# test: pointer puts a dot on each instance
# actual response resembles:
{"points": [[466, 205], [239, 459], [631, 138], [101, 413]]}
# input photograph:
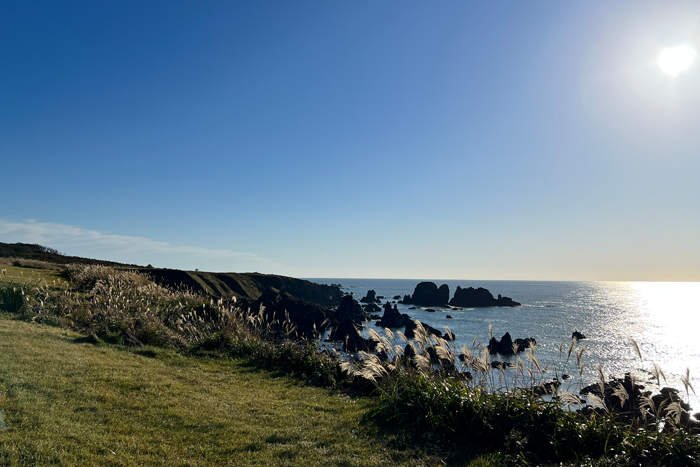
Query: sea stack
{"points": [[479, 297], [428, 294]]}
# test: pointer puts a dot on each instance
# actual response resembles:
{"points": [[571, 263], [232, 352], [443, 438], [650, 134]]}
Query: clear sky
{"points": [[404, 139]]}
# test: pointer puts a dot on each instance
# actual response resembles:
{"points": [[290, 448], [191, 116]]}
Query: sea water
{"points": [[662, 317]]}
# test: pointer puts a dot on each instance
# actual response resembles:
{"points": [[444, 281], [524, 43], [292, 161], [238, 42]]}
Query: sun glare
{"points": [[676, 59]]}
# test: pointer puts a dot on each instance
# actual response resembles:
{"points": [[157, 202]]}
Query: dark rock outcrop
{"points": [[411, 328], [392, 318], [479, 297], [546, 388], [371, 297], [279, 306], [352, 340], [635, 404], [498, 365], [506, 345], [578, 336], [428, 294], [397, 297], [350, 309], [372, 308]]}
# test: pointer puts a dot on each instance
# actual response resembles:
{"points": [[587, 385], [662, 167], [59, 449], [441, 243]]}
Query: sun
{"points": [[676, 59]]}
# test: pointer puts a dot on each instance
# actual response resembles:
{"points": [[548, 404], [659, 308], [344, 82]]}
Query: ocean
{"points": [[662, 317]]}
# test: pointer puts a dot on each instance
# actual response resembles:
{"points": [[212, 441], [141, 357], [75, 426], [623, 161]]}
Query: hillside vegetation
{"points": [[246, 286]]}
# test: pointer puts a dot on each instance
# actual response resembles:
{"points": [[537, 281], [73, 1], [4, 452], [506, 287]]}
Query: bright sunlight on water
{"points": [[662, 317]]}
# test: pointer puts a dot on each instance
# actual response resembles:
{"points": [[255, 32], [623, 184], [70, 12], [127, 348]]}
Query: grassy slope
{"points": [[219, 285], [21, 275], [72, 403], [245, 285]]}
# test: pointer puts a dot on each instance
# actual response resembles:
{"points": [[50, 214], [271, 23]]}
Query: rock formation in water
{"points": [[352, 340], [428, 294], [392, 318], [577, 335], [350, 309], [479, 297], [634, 404], [371, 297], [506, 345], [411, 327]]}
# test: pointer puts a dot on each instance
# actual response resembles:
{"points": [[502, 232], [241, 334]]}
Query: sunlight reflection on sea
{"points": [[662, 317]]}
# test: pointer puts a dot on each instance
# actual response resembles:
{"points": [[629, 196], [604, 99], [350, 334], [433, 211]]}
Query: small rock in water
{"points": [[577, 335]]}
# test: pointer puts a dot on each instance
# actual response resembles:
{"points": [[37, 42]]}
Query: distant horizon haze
{"points": [[74, 241]]}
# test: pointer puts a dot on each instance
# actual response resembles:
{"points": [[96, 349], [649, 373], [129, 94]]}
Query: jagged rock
{"points": [[397, 297], [352, 340], [479, 297], [392, 318], [634, 406], [371, 297], [578, 336], [428, 294], [449, 336], [505, 345], [548, 387], [350, 309], [506, 301], [448, 317], [496, 365], [371, 308], [524, 344], [411, 327], [409, 351]]}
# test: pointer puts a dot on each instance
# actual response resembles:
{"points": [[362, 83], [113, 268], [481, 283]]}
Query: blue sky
{"points": [[451, 140]]}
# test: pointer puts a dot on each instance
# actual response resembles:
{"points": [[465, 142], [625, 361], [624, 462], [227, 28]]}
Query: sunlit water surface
{"points": [[662, 317]]}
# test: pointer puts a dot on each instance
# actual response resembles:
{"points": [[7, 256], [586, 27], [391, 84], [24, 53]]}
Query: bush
{"points": [[12, 298]]}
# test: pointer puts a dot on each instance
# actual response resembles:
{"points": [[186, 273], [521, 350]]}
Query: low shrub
{"points": [[12, 298]]}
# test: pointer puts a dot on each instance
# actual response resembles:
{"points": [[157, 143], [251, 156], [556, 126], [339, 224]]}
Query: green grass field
{"points": [[20, 275], [66, 402]]}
